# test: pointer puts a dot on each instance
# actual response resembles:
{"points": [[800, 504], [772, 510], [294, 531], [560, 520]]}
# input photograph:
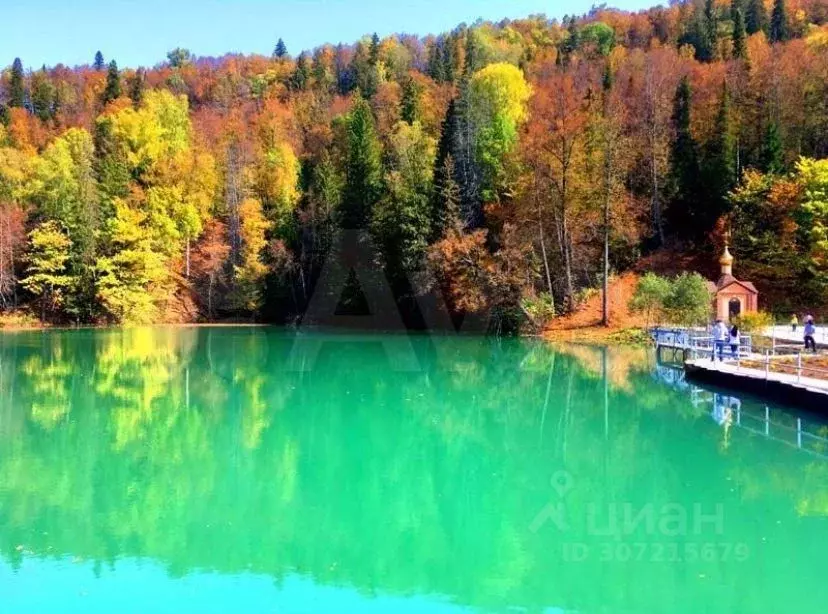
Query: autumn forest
{"points": [[504, 167]]}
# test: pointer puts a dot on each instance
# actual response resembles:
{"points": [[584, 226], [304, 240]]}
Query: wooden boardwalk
{"points": [[808, 392], [697, 350]]}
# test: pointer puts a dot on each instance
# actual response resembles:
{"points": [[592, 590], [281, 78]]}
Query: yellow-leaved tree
{"points": [[497, 100], [252, 270], [173, 190]]}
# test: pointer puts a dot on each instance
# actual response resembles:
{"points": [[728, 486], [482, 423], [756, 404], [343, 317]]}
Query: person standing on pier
{"points": [[720, 337], [810, 331], [734, 341], [794, 322]]}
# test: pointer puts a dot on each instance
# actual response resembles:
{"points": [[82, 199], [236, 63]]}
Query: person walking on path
{"points": [[794, 322], [810, 331], [720, 337]]}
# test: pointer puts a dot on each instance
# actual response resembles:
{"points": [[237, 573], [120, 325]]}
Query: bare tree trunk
{"points": [[605, 314], [3, 302], [187, 274], [655, 203], [570, 285], [609, 143], [233, 198], [542, 239], [210, 297]]}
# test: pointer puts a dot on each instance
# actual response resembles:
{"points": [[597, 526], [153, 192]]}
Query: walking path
{"points": [[732, 368], [785, 334]]}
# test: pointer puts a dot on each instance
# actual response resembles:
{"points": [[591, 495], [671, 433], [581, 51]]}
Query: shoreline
{"points": [[588, 335], [49, 327], [599, 335]]}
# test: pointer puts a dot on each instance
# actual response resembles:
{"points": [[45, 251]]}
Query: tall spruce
{"points": [[684, 163], [570, 44], [700, 31], [280, 52], [136, 86], [449, 59], [756, 17], [374, 50], [739, 33], [773, 154], [44, 96], [112, 90], [17, 88], [474, 52], [410, 103], [301, 74], [720, 162], [435, 67], [446, 198], [711, 28], [363, 174], [99, 63], [779, 28]]}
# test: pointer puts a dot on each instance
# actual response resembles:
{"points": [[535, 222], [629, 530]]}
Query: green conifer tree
{"points": [[43, 96], [136, 87], [720, 163], [301, 74], [17, 89], [684, 163], [449, 59], [113, 84], [280, 52], [779, 28], [363, 174], [374, 50], [446, 199], [711, 28], [773, 154], [99, 63], [410, 103], [756, 17], [739, 34], [435, 67]]}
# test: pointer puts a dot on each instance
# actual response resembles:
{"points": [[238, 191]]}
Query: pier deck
{"points": [[744, 370]]}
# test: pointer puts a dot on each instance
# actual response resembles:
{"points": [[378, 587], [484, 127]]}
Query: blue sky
{"points": [[140, 32]]}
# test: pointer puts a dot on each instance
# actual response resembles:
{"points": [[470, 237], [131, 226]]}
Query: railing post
{"points": [[767, 365], [799, 367]]}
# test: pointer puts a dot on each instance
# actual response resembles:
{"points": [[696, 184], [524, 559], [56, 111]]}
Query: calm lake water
{"points": [[253, 470]]}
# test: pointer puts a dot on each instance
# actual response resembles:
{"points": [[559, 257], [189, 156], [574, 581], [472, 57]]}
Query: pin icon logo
{"points": [[562, 483], [555, 511]]}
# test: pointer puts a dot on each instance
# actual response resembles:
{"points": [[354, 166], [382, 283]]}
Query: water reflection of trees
{"points": [[200, 448]]}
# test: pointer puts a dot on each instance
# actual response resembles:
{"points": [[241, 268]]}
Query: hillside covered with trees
{"points": [[513, 161]]}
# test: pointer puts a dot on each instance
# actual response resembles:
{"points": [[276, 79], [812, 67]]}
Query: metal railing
{"points": [[701, 342], [797, 367]]}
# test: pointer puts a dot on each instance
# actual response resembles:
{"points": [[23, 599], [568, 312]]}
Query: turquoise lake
{"points": [[222, 469]]}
